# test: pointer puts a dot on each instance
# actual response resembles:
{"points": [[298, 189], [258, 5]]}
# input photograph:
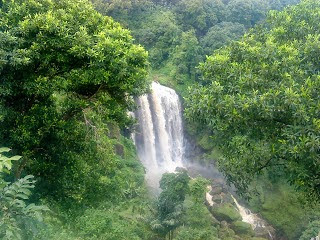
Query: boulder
{"points": [[216, 190], [225, 212], [217, 199], [265, 231], [242, 228], [227, 198]]}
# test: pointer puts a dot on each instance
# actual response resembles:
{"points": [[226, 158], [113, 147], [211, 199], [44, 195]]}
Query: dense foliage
{"points": [[312, 231], [170, 203], [282, 206], [18, 219], [181, 212], [67, 75], [179, 34], [259, 100]]}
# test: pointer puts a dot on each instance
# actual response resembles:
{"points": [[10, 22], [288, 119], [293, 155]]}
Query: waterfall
{"points": [[159, 138], [160, 144]]}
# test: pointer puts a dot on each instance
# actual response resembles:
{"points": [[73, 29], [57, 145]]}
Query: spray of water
{"points": [[159, 137]]}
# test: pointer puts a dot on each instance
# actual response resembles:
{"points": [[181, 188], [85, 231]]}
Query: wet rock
{"points": [[266, 232], [227, 198], [216, 190], [226, 212], [217, 183], [261, 227], [217, 199]]}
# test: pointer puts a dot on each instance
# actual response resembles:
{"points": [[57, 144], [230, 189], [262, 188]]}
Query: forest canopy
{"points": [[163, 26], [259, 99]]}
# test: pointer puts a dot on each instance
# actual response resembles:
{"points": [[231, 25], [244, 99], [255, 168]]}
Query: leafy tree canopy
{"points": [[170, 203], [158, 25], [65, 69], [259, 99]]}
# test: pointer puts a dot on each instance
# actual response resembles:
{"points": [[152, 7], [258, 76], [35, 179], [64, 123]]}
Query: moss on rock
{"points": [[242, 228], [225, 212]]}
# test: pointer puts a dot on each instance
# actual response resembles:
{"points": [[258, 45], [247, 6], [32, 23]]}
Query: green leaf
{"points": [[15, 158], [4, 149]]}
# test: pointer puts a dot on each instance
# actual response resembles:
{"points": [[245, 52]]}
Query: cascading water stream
{"points": [[159, 137], [253, 219], [248, 216]]}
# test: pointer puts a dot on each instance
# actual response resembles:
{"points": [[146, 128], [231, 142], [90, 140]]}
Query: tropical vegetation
{"points": [[70, 70]]}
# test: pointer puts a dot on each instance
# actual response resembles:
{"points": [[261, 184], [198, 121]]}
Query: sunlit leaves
{"points": [[6, 162]]}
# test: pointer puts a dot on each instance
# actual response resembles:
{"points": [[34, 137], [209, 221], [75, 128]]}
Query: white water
{"points": [[253, 219], [159, 138], [248, 216], [209, 196]]}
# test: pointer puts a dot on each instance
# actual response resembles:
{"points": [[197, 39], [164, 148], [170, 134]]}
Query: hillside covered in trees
{"points": [[179, 34], [72, 74]]}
